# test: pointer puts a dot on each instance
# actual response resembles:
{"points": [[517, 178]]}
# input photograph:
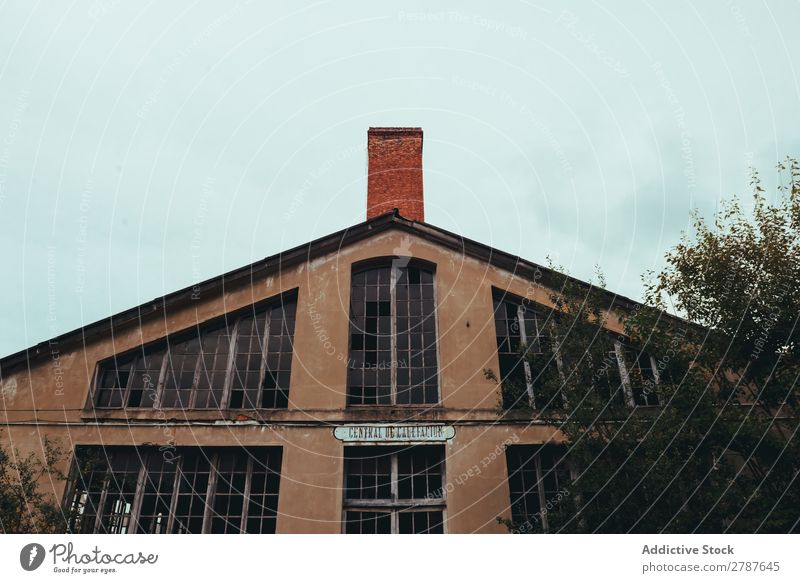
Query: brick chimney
{"points": [[395, 172]]}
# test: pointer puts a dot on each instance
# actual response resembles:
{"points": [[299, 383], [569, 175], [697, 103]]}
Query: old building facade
{"points": [[335, 387]]}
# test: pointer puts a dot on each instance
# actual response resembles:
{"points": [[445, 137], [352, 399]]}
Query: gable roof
{"points": [[302, 253]]}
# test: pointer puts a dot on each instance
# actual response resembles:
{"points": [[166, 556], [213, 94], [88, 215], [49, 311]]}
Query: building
{"points": [[335, 387]]}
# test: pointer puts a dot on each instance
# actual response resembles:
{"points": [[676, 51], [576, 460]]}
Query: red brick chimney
{"points": [[395, 172]]}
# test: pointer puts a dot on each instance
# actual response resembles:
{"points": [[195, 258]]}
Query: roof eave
{"points": [[299, 254]]}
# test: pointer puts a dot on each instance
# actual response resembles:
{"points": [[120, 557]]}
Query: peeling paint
{"points": [[319, 261], [8, 390]]}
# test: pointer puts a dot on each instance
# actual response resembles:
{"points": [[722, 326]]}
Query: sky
{"points": [[145, 146]]}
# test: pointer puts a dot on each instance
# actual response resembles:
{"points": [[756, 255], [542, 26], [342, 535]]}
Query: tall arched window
{"points": [[393, 352]]}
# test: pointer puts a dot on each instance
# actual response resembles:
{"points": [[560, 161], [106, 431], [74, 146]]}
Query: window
{"points": [[539, 481], [119, 490], [527, 356], [639, 374], [522, 335], [391, 490], [241, 361], [393, 358], [130, 379], [629, 375]]}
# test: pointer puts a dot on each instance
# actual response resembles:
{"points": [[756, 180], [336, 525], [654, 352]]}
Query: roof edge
{"points": [[298, 254]]}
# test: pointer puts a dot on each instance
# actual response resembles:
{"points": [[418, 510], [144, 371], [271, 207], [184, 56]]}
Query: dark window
{"points": [[394, 490], [215, 348], [639, 375], [131, 379], [90, 474], [528, 359], [539, 482], [246, 372], [120, 490], [608, 378], [156, 494], [120, 494], [243, 361], [191, 490], [526, 352], [393, 346], [183, 358], [629, 375], [112, 382], [280, 328]]}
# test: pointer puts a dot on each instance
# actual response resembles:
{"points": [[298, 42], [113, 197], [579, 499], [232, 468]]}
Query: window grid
{"points": [[181, 377], [156, 496], [246, 368], [200, 490], [611, 385], [244, 363], [391, 490], [262, 511], [518, 325], [639, 373], [631, 379], [278, 363], [192, 489], [119, 495], [89, 491], [393, 347], [231, 483], [538, 477], [213, 366]]}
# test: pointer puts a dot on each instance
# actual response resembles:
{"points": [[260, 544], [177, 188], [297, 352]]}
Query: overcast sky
{"points": [[146, 146]]}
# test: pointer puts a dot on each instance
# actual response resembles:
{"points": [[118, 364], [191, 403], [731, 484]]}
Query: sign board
{"points": [[369, 433]]}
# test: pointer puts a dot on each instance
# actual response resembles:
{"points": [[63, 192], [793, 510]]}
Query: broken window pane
{"points": [[526, 353], [183, 490], [238, 362], [112, 383]]}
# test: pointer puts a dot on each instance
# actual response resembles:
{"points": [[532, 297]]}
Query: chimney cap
{"points": [[394, 130]]}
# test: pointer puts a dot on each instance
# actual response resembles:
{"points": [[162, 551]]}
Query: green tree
{"points": [[720, 453], [24, 506]]}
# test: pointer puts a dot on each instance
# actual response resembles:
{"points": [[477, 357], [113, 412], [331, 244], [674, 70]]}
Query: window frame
{"points": [[214, 456], [523, 304], [390, 262], [620, 348], [395, 505], [540, 449], [168, 342]]}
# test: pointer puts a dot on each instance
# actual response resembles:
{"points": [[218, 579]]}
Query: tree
{"points": [[24, 506], [720, 453]]}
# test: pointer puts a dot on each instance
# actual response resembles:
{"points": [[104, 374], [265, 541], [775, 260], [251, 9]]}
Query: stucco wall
{"points": [[54, 391]]}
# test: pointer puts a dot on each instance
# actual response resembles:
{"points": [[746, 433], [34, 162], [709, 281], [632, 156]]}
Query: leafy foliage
{"points": [[24, 506], [720, 453]]}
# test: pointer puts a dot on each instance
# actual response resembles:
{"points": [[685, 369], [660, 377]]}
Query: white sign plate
{"points": [[393, 433]]}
